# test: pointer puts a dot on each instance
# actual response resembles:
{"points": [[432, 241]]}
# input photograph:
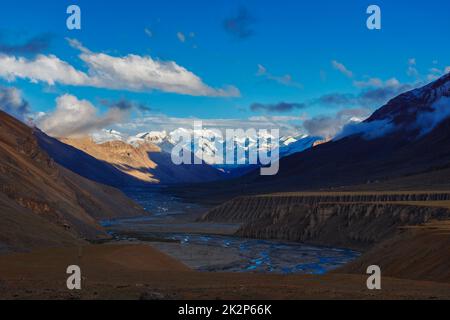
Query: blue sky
{"points": [[296, 52]]}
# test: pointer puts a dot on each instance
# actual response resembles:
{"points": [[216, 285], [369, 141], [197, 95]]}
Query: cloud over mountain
{"points": [[374, 92], [328, 126], [12, 102], [74, 118], [440, 110]]}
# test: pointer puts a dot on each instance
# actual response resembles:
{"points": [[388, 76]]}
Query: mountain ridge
{"points": [[140, 164], [359, 158]]}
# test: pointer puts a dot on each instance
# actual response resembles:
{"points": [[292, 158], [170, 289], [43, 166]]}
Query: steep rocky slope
{"points": [[407, 234], [418, 252], [42, 203], [346, 220], [21, 228]]}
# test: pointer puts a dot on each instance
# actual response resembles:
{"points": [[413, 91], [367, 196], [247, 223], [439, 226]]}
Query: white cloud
{"points": [[427, 120], [286, 79], [136, 73], [434, 73], [160, 122], [435, 70], [74, 118], [447, 69], [368, 130], [412, 70], [377, 83], [131, 72], [328, 126], [181, 37], [12, 102], [48, 69], [148, 32], [342, 68]]}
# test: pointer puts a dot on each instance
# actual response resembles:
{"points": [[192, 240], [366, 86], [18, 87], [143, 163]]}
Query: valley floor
{"points": [[141, 272], [414, 256]]}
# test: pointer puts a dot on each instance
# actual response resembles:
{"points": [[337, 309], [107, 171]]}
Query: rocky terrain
{"points": [[44, 204], [406, 233], [347, 220]]}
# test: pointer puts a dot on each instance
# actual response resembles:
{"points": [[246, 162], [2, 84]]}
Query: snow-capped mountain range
{"points": [[210, 143]]}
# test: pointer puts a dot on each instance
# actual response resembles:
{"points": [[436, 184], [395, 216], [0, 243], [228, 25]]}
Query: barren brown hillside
{"points": [[122, 165], [134, 161], [43, 203]]}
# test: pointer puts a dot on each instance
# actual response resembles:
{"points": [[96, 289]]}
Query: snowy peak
{"points": [[292, 145], [207, 143], [105, 135], [407, 107], [156, 137]]}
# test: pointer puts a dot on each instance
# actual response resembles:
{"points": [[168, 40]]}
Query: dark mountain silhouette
{"points": [[359, 159]]}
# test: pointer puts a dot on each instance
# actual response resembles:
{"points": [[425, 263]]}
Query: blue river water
{"points": [[224, 253], [272, 256]]}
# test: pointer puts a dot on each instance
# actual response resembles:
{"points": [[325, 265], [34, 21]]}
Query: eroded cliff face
{"points": [[353, 221]]}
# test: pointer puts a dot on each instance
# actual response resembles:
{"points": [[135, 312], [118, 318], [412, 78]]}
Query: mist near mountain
{"points": [[416, 113], [427, 121], [409, 135], [208, 144]]}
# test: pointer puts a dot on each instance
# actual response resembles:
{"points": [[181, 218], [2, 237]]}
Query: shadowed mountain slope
{"points": [[85, 164], [44, 204], [122, 164], [408, 136]]}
